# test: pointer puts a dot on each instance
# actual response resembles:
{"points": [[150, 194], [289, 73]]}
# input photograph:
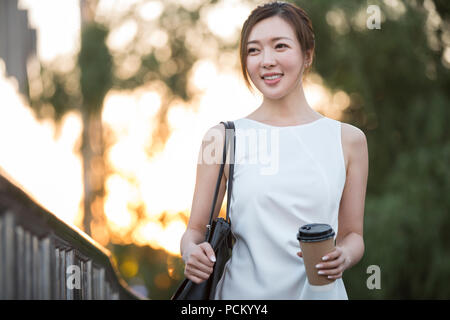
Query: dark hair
{"points": [[292, 14]]}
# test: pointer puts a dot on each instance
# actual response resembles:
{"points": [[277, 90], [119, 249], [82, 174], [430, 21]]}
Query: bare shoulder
{"points": [[352, 135], [354, 141], [213, 144], [214, 136]]}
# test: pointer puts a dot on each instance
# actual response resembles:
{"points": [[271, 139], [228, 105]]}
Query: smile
{"points": [[273, 79]]}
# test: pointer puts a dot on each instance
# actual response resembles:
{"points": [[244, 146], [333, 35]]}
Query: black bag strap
{"points": [[231, 171], [229, 131]]}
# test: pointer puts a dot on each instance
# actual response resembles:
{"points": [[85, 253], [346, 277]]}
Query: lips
{"points": [[271, 76]]}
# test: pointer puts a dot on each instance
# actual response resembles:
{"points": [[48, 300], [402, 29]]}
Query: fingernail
{"points": [[318, 266], [212, 258], [320, 272], [325, 258]]}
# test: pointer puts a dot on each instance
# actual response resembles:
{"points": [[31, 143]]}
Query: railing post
{"points": [[20, 261], [45, 276], [7, 256]]}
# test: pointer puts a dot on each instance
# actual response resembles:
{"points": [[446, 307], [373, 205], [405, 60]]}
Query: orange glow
{"points": [[117, 209], [154, 234]]}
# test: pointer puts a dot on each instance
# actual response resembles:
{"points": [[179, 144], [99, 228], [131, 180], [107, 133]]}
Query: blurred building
{"points": [[17, 42]]}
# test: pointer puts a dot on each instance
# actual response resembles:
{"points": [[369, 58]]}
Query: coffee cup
{"points": [[316, 241]]}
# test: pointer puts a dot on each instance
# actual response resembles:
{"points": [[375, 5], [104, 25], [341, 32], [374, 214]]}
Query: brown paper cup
{"points": [[316, 241]]}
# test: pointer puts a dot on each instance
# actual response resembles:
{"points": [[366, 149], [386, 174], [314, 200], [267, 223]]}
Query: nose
{"points": [[268, 59]]}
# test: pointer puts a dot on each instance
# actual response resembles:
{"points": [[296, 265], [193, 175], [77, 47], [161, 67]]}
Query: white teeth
{"points": [[273, 77]]}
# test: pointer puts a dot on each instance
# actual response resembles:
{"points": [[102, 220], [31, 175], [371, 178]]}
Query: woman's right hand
{"points": [[199, 262]]}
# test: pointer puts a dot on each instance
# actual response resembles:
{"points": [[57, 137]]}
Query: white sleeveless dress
{"points": [[284, 177]]}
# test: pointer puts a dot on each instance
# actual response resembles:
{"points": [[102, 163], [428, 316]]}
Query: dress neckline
{"points": [[282, 127]]}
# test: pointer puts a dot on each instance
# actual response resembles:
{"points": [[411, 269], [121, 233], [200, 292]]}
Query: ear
{"points": [[308, 57]]}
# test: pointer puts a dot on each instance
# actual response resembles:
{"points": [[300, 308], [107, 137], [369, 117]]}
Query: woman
{"points": [[320, 174]]}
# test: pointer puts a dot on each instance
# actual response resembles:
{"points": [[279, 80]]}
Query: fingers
{"points": [[197, 272], [208, 251], [337, 276], [333, 254], [194, 278], [202, 254], [203, 267], [196, 275], [331, 272], [202, 259], [199, 266], [331, 264], [334, 267]]}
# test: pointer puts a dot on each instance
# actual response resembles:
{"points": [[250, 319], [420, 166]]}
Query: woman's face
{"points": [[273, 49]]}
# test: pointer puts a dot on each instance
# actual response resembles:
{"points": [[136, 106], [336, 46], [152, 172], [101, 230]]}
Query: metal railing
{"points": [[42, 257]]}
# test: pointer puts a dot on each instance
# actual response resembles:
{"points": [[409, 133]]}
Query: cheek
{"points": [[251, 63], [252, 67], [292, 61]]}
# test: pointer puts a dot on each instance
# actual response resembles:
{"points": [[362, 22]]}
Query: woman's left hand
{"points": [[335, 264]]}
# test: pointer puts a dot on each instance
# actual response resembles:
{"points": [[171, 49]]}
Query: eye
{"points": [[281, 44], [251, 50]]}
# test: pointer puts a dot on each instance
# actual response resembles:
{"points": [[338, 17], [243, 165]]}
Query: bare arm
{"points": [[349, 240], [351, 211], [197, 254]]}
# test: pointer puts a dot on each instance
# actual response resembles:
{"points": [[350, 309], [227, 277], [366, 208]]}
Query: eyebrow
{"points": [[273, 39]]}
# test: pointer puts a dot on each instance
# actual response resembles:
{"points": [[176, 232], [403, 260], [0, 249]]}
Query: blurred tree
{"points": [[95, 63], [99, 70]]}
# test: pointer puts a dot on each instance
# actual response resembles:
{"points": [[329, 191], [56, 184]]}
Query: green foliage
{"points": [[95, 64], [406, 230], [172, 70]]}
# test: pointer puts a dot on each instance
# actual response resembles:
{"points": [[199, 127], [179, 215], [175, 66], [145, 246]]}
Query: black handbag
{"points": [[218, 234]]}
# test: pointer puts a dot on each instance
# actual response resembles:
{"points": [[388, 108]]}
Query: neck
{"points": [[291, 106]]}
